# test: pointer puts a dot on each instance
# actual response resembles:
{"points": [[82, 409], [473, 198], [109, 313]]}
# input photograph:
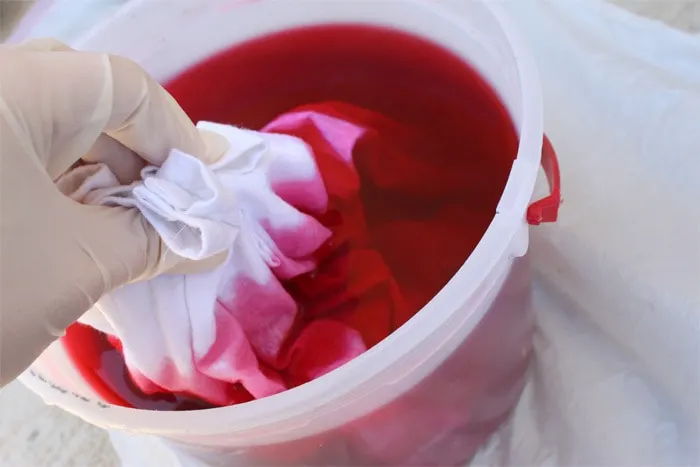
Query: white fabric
{"points": [[196, 208], [617, 373], [168, 325]]}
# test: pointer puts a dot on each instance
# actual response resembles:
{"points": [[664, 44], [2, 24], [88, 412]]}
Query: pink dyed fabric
{"points": [[302, 292]]}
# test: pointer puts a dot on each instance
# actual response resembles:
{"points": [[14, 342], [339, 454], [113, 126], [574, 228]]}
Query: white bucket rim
{"points": [[324, 392]]}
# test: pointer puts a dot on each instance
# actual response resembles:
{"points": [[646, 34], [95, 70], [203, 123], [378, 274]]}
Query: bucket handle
{"points": [[547, 208]]}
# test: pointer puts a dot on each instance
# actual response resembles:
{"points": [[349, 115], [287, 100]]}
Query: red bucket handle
{"points": [[547, 209]]}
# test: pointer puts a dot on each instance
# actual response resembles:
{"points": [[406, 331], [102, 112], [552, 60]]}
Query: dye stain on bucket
{"points": [[425, 230]]}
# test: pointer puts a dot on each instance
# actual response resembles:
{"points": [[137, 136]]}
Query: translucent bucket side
{"points": [[475, 377], [383, 393], [469, 381]]}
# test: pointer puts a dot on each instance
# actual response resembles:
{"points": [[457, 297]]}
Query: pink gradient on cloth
{"points": [[317, 297]]}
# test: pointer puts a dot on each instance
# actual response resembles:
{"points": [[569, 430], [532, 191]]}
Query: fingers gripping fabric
{"points": [[273, 202]]}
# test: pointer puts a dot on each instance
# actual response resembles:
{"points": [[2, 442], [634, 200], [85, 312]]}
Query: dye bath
{"points": [[427, 201]]}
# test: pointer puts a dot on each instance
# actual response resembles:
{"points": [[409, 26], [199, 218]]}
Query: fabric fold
{"points": [[284, 308]]}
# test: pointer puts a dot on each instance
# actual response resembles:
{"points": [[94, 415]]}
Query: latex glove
{"points": [[58, 257]]}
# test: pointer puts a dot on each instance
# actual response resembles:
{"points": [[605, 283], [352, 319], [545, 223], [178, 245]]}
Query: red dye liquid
{"points": [[424, 225]]}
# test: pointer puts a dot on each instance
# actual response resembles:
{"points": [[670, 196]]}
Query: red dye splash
{"points": [[430, 176]]}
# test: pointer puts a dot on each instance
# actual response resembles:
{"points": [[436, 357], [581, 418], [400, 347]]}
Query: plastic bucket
{"points": [[435, 389]]}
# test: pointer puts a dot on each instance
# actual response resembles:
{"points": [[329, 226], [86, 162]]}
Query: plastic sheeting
{"points": [[617, 373]]}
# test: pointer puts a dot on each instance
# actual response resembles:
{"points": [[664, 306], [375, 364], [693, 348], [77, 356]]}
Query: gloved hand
{"points": [[59, 107]]}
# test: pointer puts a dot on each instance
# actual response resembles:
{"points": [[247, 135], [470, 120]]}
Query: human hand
{"points": [[58, 108]]}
